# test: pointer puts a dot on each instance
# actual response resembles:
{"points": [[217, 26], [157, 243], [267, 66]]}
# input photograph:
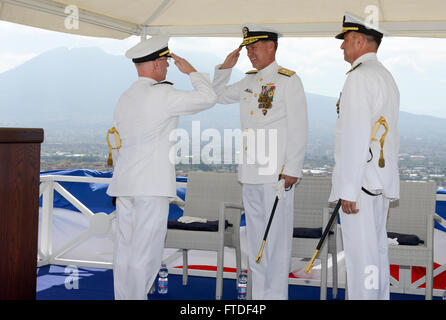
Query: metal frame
{"points": [[419, 28], [405, 284], [100, 223], [400, 28], [58, 9]]}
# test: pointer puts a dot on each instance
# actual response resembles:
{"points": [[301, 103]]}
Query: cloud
{"points": [[219, 47], [418, 54], [404, 63]]}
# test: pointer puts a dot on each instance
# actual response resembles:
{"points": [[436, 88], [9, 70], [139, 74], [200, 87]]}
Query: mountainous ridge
{"points": [[75, 91]]}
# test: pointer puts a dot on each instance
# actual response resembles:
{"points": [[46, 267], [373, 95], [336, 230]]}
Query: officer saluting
{"points": [[366, 176], [272, 100], [143, 177]]}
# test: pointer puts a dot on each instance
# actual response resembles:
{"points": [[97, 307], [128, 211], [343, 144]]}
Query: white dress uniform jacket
{"points": [[287, 115], [144, 117], [284, 110], [369, 92]]}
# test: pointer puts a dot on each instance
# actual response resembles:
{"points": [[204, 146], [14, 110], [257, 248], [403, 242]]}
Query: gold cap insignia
{"points": [[245, 32]]}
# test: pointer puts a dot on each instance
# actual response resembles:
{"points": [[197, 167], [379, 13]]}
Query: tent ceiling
{"points": [[121, 18]]}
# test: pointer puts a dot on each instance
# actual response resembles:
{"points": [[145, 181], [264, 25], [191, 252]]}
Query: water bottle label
{"points": [[162, 285]]}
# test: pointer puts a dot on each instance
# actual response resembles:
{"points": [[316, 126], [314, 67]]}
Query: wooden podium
{"points": [[19, 211]]}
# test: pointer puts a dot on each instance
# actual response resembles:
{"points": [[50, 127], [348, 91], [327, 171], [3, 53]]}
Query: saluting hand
{"points": [[231, 59], [182, 64]]}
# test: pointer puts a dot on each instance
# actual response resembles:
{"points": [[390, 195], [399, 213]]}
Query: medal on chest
{"points": [[266, 97]]}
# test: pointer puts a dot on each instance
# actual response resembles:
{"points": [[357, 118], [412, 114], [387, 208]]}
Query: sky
{"points": [[417, 64]]}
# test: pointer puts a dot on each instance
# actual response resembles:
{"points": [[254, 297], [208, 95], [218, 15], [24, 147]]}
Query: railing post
{"points": [[46, 235]]}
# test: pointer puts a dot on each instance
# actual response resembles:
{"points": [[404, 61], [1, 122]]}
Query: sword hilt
{"points": [[310, 264], [259, 256]]}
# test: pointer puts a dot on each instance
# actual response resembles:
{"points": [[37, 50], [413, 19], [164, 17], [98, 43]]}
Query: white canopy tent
{"points": [[120, 19]]}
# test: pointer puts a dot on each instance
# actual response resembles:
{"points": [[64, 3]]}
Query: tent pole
{"points": [[157, 12]]}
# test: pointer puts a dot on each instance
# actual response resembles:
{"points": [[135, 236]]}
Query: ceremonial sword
{"points": [[259, 256], [324, 235]]}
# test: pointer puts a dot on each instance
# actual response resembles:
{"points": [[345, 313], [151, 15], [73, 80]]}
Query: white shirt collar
{"points": [[147, 79], [365, 57], [272, 68]]}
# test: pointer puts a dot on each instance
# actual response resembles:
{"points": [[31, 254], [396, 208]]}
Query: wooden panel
{"points": [[19, 204]]}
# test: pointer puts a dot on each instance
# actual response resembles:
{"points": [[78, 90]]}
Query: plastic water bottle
{"points": [[163, 283], [242, 286]]}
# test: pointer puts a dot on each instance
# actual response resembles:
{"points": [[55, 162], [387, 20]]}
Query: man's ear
{"points": [[156, 65], [361, 38], [271, 46]]}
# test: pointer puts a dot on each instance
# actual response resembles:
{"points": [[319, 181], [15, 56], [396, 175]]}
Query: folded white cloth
{"points": [[189, 219], [280, 189], [393, 242]]}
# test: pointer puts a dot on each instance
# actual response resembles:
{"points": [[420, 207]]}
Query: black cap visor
{"points": [[164, 52], [347, 27]]}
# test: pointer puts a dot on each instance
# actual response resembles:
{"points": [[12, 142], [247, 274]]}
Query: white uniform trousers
{"points": [[366, 249], [270, 276], [139, 242]]}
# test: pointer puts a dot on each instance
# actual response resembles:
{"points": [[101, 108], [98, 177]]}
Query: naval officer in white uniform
{"points": [[144, 177], [272, 101], [366, 176]]}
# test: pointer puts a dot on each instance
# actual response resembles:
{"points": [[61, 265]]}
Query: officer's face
{"points": [[261, 54], [350, 47]]}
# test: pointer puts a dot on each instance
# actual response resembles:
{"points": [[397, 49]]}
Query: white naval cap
{"points": [[254, 32], [150, 49], [354, 23]]}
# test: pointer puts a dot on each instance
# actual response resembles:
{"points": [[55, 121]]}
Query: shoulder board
{"points": [[286, 72], [164, 82], [354, 68], [252, 72]]}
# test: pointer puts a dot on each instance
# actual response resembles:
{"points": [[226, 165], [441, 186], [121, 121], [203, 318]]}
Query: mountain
{"points": [[72, 93], [63, 85]]}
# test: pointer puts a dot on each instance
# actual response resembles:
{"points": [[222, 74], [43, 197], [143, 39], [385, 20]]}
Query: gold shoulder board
{"points": [[286, 72], [354, 68]]}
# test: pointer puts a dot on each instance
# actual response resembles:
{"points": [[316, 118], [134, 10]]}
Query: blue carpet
{"points": [[59, 283]]}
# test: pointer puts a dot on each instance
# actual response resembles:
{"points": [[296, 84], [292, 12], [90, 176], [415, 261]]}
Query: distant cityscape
{"points": [[76, 124], [430, 166]]}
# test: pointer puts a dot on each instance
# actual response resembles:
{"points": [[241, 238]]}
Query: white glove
{"points": [[280, 189], [189, 219], [393, 242]]}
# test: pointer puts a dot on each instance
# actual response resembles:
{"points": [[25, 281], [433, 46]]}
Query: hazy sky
{"points": [[418, 64]]}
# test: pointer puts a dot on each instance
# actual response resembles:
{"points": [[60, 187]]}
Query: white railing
{"points": [[100, 224]]}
